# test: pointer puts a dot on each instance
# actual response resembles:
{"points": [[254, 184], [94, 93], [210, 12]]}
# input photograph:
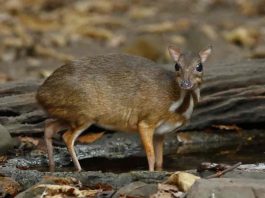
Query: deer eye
{"points": [[177, 67], [199, 67]]}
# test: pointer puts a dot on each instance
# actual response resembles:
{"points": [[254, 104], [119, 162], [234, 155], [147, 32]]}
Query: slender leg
{"points": [[146, 133], [70, 140], [51, 127], [158, 144]]}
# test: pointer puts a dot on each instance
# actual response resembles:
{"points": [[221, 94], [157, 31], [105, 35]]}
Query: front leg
{"points": [[159, 144], [146, 133]]}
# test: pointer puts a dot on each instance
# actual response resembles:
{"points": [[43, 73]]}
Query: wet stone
{"points": [[227, 187], [27, 178], [136, 189]]}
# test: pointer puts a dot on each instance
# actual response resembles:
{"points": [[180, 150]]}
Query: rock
{"points": [[136, 189], [227, 187], [28, 178], [6, 142], [8, 187], [182, 180], [248, 167]]}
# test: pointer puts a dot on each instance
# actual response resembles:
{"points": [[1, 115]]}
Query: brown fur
{"points": [[115, 90]]}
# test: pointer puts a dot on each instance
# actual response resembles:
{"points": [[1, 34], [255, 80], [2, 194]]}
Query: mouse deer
{"points": [[125, 93]]}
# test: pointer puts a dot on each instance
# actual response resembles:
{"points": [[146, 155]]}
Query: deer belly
{"points": [[167, 127]]}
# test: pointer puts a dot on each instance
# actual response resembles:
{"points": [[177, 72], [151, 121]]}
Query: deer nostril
{"points": [[185, 84]]}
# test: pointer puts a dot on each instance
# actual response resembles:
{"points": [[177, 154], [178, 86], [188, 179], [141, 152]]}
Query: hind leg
{"points": [[51, 127], [70, 140]]}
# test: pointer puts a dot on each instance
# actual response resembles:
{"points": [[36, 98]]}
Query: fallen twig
{"points": [[218, 174]]}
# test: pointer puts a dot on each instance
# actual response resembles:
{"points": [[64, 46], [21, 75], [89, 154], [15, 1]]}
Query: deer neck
{"points": [[185, 103]]}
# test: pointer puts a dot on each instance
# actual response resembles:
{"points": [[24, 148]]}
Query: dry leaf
{"points": [[96, 33], [4, 78], [250, 8], [15, 42], [259, 52], [165, 26], [29, 140], [177, 39], [117, 41], [162, 194], [145, 46], [99, 6], [50, 52], [70, 181], [232, 127], [65, 190], [33, 62], [105, 21], [183, 24], [166, 190], [209, 31], [5, 29], [14, 5], [89, 138], [142, 12], [9, 55], [9, 186], [184, 138], [85, 139], [104, 187], [45, 73], [182, 180], [58, 40], [40, 23], [244, 36], [3, 159]]}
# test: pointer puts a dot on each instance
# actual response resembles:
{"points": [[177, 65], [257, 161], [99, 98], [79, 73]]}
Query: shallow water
{"points": [[187, 156], [247, 149]]}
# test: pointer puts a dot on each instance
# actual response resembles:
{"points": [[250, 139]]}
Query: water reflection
{"points": [[187, 156]]}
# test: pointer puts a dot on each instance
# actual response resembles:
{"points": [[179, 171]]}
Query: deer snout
{"points": [[186, 84]]}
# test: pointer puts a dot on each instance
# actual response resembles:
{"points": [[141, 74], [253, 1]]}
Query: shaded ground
{"points": [[38, 36]]}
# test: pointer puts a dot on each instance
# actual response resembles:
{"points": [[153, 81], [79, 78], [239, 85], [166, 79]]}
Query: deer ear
{"points": [[204, 54], [174, 52]]}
